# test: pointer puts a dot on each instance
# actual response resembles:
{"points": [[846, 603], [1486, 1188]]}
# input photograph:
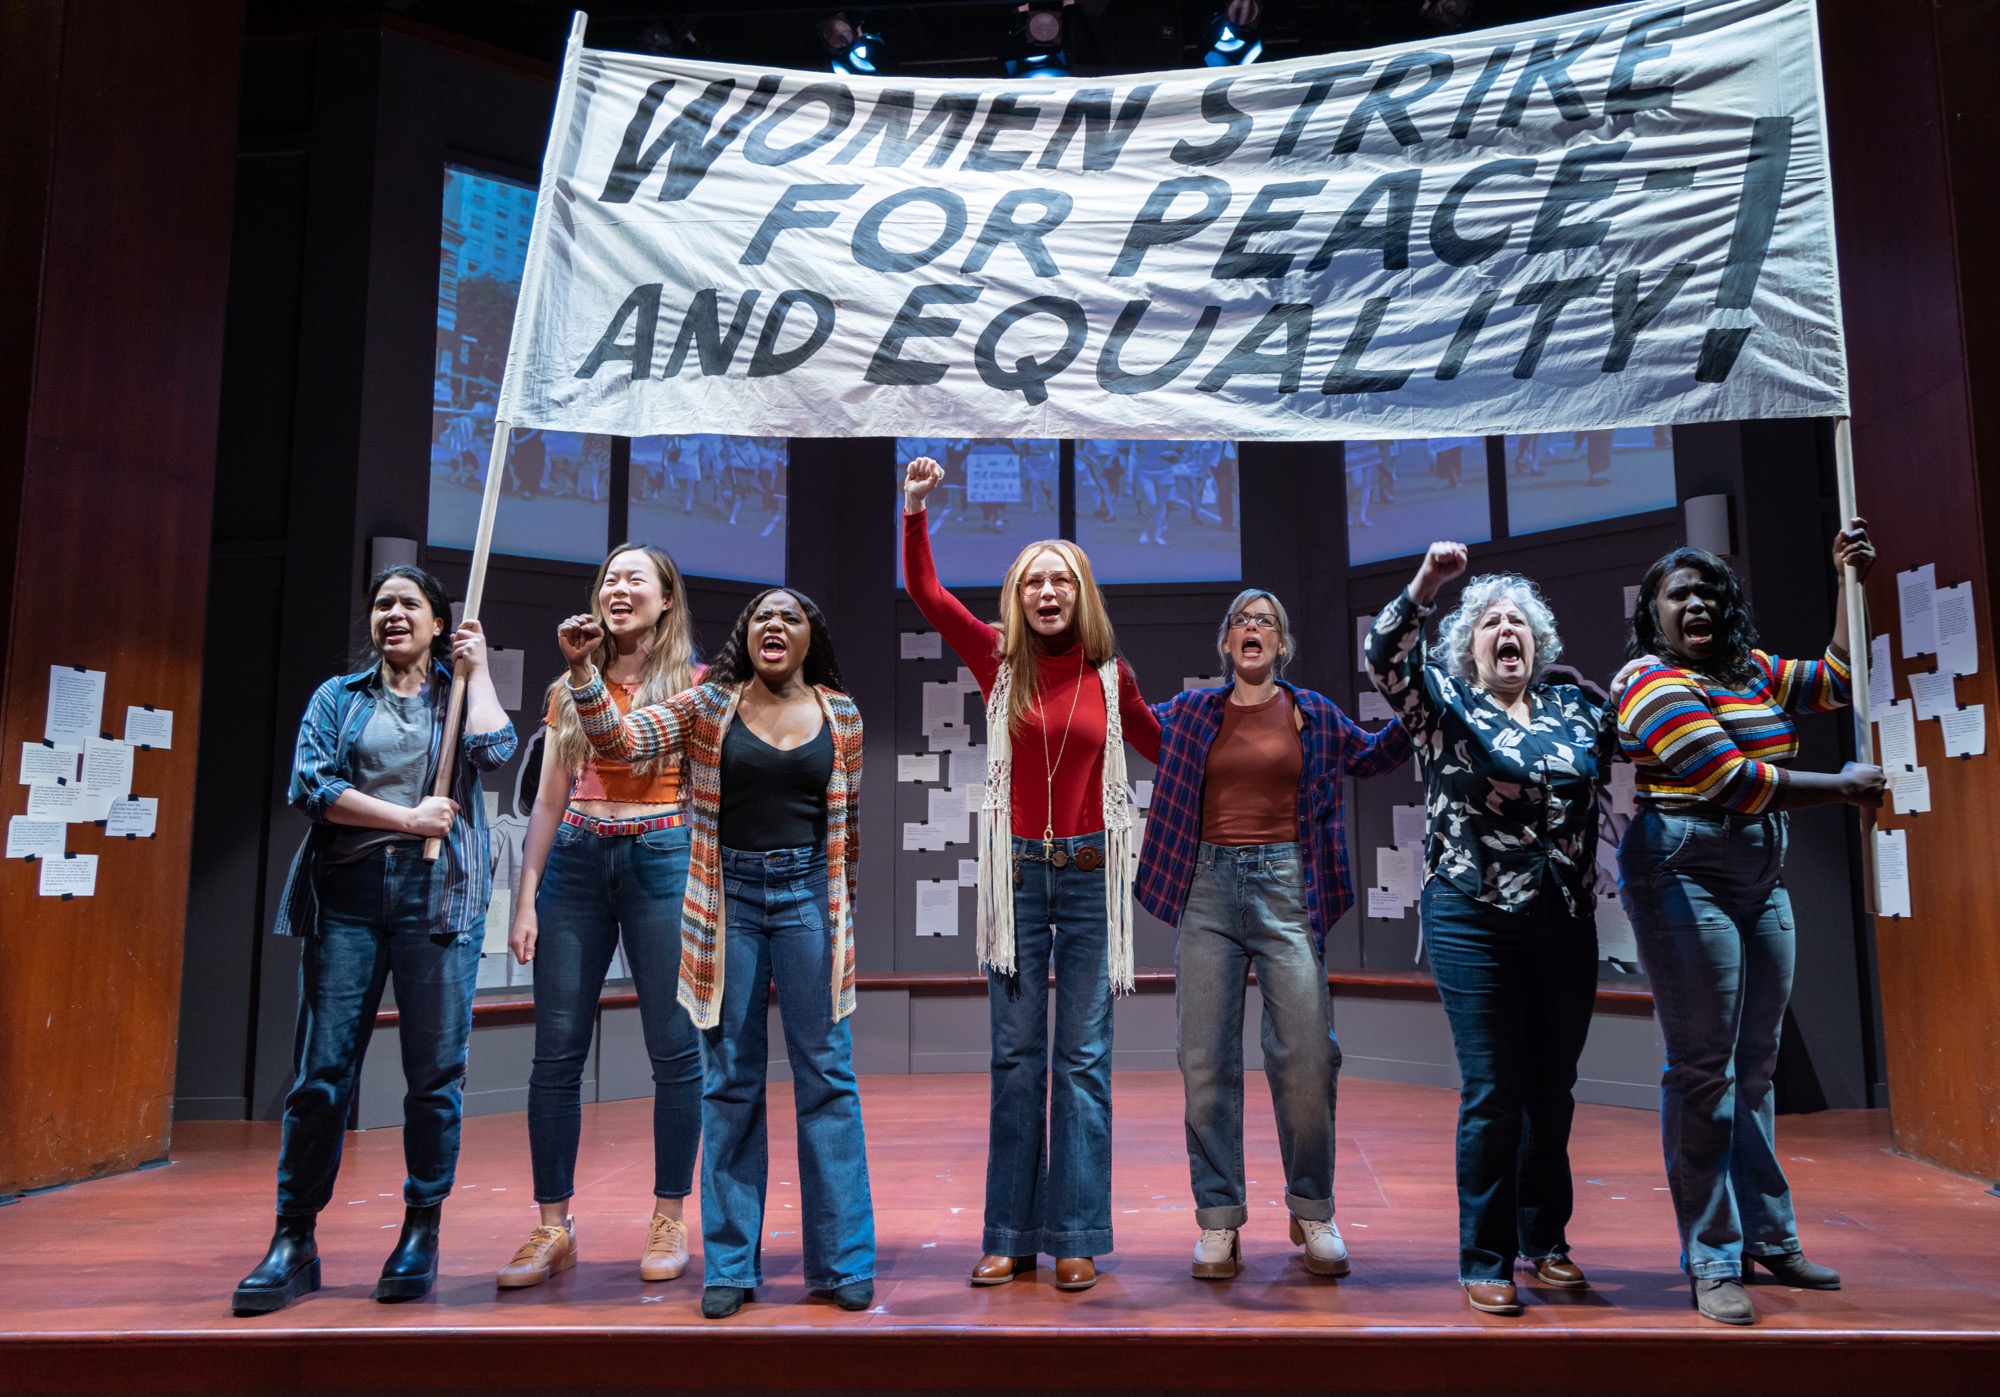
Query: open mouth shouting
{"points": [[1697, 630], [772, 647], [619, 611], [1508, 655]]}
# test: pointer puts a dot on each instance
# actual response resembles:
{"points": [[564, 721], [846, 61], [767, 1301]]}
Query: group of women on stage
{"points": [[706, 819]]}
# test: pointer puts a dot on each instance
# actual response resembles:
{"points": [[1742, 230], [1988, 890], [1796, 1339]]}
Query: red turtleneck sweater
{"points": [[1079, 765]]}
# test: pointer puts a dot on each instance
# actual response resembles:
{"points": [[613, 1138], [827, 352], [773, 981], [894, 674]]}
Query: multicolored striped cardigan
{"points": [[695, 721], [1700, 744]]}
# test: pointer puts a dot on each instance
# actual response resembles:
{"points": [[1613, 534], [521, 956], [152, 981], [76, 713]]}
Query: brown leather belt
{"points": [[1087, 859]]}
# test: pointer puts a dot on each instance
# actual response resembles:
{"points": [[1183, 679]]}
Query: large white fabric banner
{"points": [[1613, 218]]}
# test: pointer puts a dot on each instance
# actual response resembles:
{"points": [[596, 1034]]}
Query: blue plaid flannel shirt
{"points": [[338, 711], [1333, 746]]}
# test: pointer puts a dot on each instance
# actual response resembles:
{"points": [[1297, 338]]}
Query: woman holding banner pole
{"points": [[1701, 874], [1056, 859], [371, 906]]}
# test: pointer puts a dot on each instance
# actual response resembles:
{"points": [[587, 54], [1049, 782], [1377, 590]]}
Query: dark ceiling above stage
{"points": [[940, 37]]}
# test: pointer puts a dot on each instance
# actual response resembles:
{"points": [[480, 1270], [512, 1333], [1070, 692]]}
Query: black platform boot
{"points": [[289, 1269], [412, 1267]]}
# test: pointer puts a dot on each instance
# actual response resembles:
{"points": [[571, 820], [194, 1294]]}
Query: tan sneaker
{"points": [[547, 1252], [666, 1250]]}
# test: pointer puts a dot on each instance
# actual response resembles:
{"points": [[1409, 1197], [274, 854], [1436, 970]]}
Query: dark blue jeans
{"points": [[1052, 1197], [595, 890], [1518, 988], [1717, 938], [780, 932], [375, 920]]}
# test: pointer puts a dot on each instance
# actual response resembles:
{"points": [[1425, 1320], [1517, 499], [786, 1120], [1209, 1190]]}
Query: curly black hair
{"points": [[733, 666], [1736, 635]]}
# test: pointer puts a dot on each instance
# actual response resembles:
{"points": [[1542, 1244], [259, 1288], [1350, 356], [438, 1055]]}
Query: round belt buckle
{"points": [[1060, 858], [1087, 859]]}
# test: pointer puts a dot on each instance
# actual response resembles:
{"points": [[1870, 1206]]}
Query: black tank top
{"points": [[774, 799]]}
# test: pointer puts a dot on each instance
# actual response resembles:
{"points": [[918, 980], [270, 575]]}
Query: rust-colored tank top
{"points": [[1250, 793]]}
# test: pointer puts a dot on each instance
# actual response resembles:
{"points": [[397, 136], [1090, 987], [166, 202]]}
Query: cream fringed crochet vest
{"points": [[996, 836]]}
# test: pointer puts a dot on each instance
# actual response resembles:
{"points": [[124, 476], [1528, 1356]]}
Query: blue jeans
{"points": [[1518, 988], [1247, 910], [1049, 1190], [375, 919], [596, 889], [780, 931], [1716, 936]]}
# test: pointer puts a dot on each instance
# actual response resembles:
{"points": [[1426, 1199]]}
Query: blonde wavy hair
{"points": [[1090, 623], [669, 664]]}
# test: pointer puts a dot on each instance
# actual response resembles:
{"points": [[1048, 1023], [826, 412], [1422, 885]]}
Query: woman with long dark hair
{"points": [[606, 862], [370, 907], [1055, 885], [1246, 858], [1701, 867], [773, 757]]}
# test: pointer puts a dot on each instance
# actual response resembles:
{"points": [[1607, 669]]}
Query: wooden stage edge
{"points": [[986, 1359], [122, 1285]]}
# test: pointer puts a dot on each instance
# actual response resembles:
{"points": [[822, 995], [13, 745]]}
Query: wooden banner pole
{"points": [[1854, 597], [475, 591]]}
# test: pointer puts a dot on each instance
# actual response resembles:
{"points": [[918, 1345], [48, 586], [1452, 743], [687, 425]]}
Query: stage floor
{"points": [[124, 1284]]}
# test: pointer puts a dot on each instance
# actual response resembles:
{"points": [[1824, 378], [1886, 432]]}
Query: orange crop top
{"points": [[616, 781]]}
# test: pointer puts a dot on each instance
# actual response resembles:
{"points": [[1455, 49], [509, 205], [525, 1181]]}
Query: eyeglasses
{"points": [[1061, 581], [1252, 621]]}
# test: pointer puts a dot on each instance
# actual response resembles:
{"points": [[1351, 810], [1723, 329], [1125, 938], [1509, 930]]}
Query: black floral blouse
{"points": [[1505, 801]]}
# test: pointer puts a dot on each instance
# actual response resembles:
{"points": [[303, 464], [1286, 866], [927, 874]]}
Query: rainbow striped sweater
{"points": [[1700, 744], [694, 722]]}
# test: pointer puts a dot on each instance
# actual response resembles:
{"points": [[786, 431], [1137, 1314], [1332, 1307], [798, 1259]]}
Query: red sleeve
{"points": [[1142, 724], [970, 638]]}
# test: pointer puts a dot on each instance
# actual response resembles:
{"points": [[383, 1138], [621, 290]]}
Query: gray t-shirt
{"points": [[387, 761]]}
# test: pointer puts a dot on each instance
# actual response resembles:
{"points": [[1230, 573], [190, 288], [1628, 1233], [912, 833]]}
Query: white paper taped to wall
{"points": [[1881, 677], [1933, 693], [63, 802], [921, 645], [937, 908], [1910, 789], [1392, 874], [947, 813], [918, 766], [147, 726], [1362, 625], [1631, 600], [1916, 596], [1371, 707], [1892, 873], [137, 818], [506, 669], [1896, 734], [1965, 731], [72, 875], [968, 767], [76, 705], [1407, 822], [1383, 903], [1624, 788], [968, 873], [29, 838], [46, 765], [1957, 635]]}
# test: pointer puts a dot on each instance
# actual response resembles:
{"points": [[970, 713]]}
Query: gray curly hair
{"points": [[1454, 642]]}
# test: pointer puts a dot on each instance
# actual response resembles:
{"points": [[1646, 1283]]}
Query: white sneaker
{"points": [[1218, 1254], [1326, 1254]]}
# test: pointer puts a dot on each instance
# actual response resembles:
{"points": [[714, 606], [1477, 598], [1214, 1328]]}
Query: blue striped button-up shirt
{"points": [[322, 767], [1333, 746]]}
